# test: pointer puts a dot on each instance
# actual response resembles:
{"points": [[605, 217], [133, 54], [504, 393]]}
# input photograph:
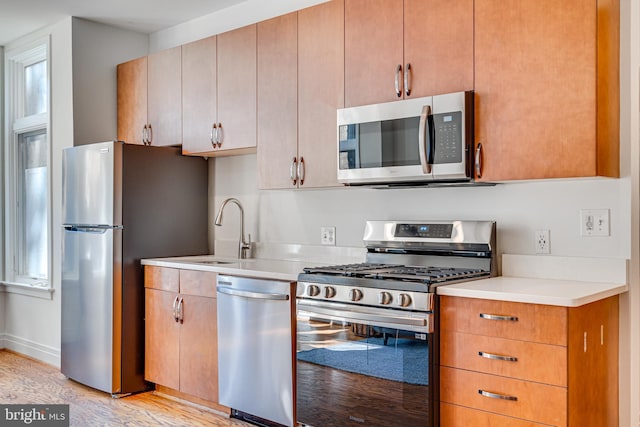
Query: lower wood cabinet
{"points": [[181, 344], [517, 364]]}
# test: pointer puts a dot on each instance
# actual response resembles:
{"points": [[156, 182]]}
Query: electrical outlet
{"points": [[328, 235], [542, 242], [594, 222]]}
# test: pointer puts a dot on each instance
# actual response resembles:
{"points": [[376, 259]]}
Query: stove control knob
{"points": [[329, 292], [355, 295], [313, 290], [405, 300], [385, 298]]}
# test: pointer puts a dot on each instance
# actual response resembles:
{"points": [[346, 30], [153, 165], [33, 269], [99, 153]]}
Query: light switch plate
{"points": [[328, 236], [594, 222]]}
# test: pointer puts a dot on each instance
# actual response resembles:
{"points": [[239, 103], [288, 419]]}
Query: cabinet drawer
{"points": [[524, 360], [459, 416], [163, 278], [198, 283], [521, 399], [527, 322]]}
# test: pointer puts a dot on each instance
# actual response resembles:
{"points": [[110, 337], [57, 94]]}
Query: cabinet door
{"points": [[438, 44], [373, 50], [162, 339], [320, 90], [199, 98], [237, 88], [199, 348], [165, 97], [277, 101], [132, 100], [535, 83]]}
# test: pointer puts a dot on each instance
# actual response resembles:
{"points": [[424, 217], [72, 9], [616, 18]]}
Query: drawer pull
{"points": [[498, 317], [497, 395], [497, 357]]}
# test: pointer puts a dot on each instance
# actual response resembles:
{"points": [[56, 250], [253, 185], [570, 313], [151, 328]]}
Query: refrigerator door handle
{"points": [[99, 229]]}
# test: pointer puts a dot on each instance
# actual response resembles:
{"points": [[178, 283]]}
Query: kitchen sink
{"points": [[213, 262]]}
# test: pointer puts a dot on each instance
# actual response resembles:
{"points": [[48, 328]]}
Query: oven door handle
{"points": [[350, 313]]}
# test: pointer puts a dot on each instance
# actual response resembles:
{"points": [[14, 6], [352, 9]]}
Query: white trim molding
{"points": [[31, 349]]}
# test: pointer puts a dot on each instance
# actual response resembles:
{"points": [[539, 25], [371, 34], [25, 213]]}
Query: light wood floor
{"points": [[25, 381]]}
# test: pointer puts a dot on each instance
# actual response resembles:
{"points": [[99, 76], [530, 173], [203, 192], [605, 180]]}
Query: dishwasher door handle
{"points": [[252, 294]]}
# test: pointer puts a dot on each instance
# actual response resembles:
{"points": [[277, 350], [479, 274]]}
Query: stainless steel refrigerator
{"points": [[121, 203]]}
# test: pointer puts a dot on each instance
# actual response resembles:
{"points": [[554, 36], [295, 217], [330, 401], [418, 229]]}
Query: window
{"points": [[27, 172]]}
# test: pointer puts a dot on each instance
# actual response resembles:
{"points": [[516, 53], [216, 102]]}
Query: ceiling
{"points": [[18, 18]]}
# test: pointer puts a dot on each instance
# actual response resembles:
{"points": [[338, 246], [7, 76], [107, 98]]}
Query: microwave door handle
{"points": [[425, 140]]}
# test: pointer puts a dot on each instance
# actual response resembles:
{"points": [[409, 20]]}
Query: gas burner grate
{"points": [[359, 269]]}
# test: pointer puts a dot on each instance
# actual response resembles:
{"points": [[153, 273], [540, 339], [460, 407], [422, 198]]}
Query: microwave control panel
{"points": [[448, 137]]}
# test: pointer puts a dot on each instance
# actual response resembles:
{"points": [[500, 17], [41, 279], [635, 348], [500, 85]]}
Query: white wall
{"points": [[2, 309], [97, 49]]}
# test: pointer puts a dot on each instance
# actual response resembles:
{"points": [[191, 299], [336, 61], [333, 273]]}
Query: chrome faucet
{"points": [[244, 247]]}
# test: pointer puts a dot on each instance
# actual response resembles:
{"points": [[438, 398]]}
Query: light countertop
{"points": [[566, 293], [254, 267], [561, 281]]}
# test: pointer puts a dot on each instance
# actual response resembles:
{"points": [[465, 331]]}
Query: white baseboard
{"points": [[44, 353]]}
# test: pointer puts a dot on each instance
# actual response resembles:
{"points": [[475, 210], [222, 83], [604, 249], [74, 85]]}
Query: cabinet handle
{"points": [[497, 395], [293, 169], [398, 74], [219, 135], [150, 135], [301, 170], [144, 135], [497, 357], [407, 79], [212, 135], [180, 313], [498, 317], [479, 161], [175, 309]]}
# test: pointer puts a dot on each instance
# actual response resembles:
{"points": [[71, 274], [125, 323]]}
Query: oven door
{"points": [[359, 366]]}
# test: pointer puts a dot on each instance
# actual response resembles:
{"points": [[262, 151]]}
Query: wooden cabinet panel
{"points": [[164, 107], [162, 278], [373, 50], [320, 90], [438, 43], [182, 355], [132, 100], [536, 323], [537, 362], [459, 416], [199, 95], [199, 348], [533, 401], [162, 338], [535, 84], [277, 101], [198, 283], [237, 87]]}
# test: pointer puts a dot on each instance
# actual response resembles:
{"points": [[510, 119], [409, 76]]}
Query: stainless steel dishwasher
{"points": [[255, 348]]}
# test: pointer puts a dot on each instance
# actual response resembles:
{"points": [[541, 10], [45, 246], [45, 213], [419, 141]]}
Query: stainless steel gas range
{"points": [[367, 334]]}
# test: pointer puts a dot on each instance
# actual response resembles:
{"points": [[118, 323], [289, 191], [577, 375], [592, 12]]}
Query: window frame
{"points": [[17, 125]]}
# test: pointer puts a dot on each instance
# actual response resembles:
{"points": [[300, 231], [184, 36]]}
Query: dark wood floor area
{"points": [[25, 381]]}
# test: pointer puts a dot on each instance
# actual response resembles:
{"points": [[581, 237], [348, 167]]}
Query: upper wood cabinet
{"points": [[149, 99], [219, 94], [546, 88], [278, 102], [237, 89], [397, 49], [199, 96], [300, 86]]}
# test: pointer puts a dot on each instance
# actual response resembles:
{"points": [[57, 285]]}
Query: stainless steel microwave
{"points": [[412, 141]]}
